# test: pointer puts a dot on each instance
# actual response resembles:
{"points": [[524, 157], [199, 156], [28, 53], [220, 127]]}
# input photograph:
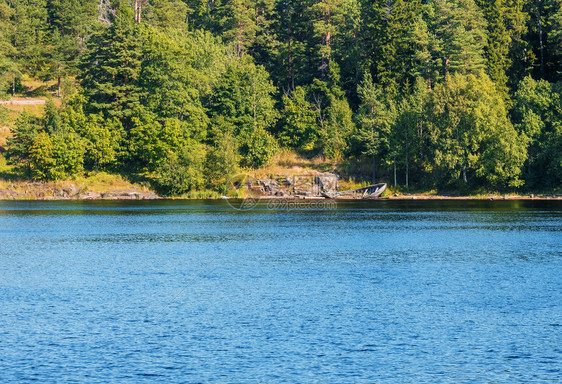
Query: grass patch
{"points": [[5, 132], [35, 110], [351, 183], [103, 182], [8, 173], [287, 162], [33, 89], [37, 88]]}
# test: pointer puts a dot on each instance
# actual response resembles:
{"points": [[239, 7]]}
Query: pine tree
{"points": [[461, 29], [168, 83], [348, 51], [386, 36], [542, 32], [427, 62], [111, 68], [374, 122], [499, 41], [294, 32], [22, 37], [409, 136], [238, 23], [8, 67], [328, 19], [300, 129], [24, 134], [167, 15], [554, 41], [69, 22], [244, 100], [61, 57], [516, 24]]}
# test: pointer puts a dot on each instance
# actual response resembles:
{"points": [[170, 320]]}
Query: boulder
{"points": [[328, 182]]}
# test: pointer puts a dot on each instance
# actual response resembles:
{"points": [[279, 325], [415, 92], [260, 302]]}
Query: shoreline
{"points": [[129, 195], [107, 187], [114, 189]]}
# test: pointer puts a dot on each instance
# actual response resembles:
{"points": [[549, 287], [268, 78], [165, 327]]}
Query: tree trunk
{"points": [[374, 170], [464, 174], [290, 59], [138, 10], [540, 35], [395, 184], [59, 85], [407, 172], [14, 85]]}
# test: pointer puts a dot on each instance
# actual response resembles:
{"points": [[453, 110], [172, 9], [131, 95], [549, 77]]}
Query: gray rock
{"points": [[327, 182]]}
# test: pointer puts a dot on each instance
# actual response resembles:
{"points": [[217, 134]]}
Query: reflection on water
{"points": [[380, 291]]}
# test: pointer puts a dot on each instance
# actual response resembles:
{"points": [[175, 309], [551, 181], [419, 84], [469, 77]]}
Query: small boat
{"points": [[368, 192]]}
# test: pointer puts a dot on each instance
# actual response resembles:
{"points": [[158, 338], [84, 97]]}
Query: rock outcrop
{"points": [[305, 185], [55, 191]]}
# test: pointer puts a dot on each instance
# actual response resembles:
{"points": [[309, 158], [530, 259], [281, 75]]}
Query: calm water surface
{"points": [[197, 292]]}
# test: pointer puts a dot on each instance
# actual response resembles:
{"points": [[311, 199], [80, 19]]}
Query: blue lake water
{"points": [[198, 292]]}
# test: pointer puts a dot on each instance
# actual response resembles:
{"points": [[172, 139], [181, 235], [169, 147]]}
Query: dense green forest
{"points": [[442, 93]]}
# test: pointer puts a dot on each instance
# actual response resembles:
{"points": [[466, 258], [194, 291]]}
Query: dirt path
{"points": [[23, 102]]}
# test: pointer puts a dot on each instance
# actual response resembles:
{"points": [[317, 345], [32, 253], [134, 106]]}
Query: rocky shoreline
{"points": [[305, 188], [53, 191]]}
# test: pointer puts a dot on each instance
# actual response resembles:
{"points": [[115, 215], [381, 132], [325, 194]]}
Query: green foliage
{"points": [[244, 96], [244, 100], [24, 134], [471, 133], [388, 25], [551, 155], [222, 161], [48, 151], [555, 41], [23, 45], [42, 162], [538, 115], [338, 128], [375, 119], [103, 143], [237, 20], [335, 122], [534, 106], [182, 171], [111, 68], [499, 40], [461, 30], [55, 157], [188, 91], [426, 47], [170, 15], [52, 120], [167, 83], [409, 139], [299, 123], [258, 148], [329, 21], [151, 142]]}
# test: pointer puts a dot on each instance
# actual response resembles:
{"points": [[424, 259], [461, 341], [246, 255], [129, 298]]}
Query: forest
{"points": [[448, 94]]}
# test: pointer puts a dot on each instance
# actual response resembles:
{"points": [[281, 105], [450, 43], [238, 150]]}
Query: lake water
{"points": [[198, 292]]}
